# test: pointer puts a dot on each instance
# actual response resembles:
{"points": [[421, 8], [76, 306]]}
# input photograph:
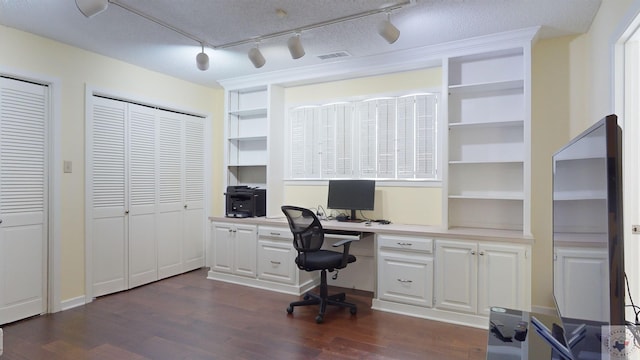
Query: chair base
{"points": [[323, 299]]}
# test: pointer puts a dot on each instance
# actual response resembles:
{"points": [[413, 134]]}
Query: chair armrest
{"points": [[345, 251]]}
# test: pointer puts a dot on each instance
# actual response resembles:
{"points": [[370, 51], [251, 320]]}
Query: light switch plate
{"points": [[67, 168]]}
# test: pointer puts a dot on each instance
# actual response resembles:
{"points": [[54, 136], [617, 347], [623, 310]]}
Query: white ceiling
{"points": [[120, 34]]}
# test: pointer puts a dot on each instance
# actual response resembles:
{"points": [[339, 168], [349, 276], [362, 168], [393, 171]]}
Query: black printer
{"points": [[244, 201]]}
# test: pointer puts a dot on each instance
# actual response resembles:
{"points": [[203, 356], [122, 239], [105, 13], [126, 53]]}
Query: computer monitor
{"points": [[351, 195]]}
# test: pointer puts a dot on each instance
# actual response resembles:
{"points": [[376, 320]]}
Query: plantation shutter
{"points": [[367, 116]]}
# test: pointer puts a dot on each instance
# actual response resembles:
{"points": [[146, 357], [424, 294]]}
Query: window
{"points": [[391, 138]]}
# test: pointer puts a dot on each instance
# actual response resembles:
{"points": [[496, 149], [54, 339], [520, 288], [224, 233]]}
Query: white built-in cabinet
{"points": [[234, 249], [471, 277], [260, 256], [572, 265], [276, 255], [145, 194], [488, 162], [254, 148], [405, 270]]}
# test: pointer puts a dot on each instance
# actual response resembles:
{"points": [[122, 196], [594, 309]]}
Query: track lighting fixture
{"points": [[295, 47], [256, 57], [91, 8], [202, 59], [388, 31]]}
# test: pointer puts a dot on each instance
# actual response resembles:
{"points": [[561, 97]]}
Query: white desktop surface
{"points": [[396, 229]]}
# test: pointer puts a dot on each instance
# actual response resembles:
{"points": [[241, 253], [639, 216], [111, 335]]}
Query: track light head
{"points": [[295, 47], [388, 31], [91, 8], [256, 57], [202, 60]]}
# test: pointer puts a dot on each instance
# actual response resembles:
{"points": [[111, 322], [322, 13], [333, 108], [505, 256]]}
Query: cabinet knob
{"points": [[230, 230], [473, 252], [185, 206], [405, 281], [404, 244], [126, 212], [0, 221], [481, 253], [275, 234], [275, 262]]}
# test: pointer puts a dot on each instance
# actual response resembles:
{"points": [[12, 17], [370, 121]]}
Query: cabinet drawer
{"points": [[405, 279], [278, 233], [276, 262], [407, 243]]}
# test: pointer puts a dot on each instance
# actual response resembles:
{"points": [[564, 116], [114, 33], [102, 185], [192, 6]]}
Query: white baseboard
{"points": [[72, 303]]}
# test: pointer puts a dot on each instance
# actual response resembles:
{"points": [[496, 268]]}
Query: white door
{"points": [[23, 199], [108, 225], [456, 276], [194, 179], [143, 264], [501, 277], [170, 205]]}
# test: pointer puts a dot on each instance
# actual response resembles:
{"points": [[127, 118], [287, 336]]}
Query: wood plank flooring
{"points": [[190, 317]]}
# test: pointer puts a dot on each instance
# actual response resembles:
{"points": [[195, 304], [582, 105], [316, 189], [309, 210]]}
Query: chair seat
{"points": [[322, 259]]}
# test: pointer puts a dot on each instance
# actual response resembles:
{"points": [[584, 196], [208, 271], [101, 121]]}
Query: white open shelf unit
{"points": [[488, 149]]}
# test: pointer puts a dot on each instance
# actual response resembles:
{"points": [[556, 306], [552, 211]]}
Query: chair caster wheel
{"points": [[353, 311], [306, 297], [289, 309], [319, 319]]}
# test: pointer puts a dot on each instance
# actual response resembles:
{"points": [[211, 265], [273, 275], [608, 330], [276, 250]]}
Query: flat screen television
{"points": [[351, 195], [588, 246]]}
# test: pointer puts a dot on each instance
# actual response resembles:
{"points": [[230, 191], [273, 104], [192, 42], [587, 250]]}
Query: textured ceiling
{"points": [[122, 35]]}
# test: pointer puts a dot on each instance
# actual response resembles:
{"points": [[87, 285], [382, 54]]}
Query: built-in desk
{"points": [[452, 275]]}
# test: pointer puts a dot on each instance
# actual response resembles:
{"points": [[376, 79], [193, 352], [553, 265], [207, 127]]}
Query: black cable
{"points": [[637, 312]]}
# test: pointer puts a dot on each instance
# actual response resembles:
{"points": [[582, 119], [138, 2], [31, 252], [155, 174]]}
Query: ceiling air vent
{"points": [[334, 55]]}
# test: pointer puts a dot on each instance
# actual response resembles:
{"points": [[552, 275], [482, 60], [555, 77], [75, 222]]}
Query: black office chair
{"points": [[308, 237]]}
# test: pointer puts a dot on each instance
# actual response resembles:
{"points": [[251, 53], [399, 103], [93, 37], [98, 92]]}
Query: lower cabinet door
{"points": [[405, 278]]}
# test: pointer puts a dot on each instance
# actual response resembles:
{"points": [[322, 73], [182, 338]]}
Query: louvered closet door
{"points": [[143, 265], [108, 194], [194, 216], [170, 204], [23, 199]]}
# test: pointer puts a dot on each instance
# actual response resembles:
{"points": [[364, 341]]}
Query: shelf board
{"points": [[246, 165], [488, 86], [249, 112], [487, 124], [248, 138], [580, 195], [489, 196], [480, 162]]}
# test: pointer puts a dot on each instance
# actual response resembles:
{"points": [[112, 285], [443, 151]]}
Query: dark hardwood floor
{"points": [[190, 317]]}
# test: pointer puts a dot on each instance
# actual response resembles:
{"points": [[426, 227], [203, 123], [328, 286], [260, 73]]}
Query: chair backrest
{"points": [[308, 235]]}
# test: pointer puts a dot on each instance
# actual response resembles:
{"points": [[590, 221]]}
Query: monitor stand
{"points": [[353, 217]]}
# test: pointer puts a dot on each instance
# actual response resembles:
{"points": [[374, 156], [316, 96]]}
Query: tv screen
{"points": [[588, 266], [351, 195]]}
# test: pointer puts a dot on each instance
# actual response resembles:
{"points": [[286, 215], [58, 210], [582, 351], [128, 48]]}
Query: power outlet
{"points": [[635, 229]]}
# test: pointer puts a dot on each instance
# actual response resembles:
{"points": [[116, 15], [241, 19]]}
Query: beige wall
{"points": [[407, 205], [571, 89], [23, 53]]}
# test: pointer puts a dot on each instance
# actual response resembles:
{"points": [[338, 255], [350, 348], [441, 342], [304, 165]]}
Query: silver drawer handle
{"points": [[404, 244], [275, 234], [275, 262], [405, 281]]}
